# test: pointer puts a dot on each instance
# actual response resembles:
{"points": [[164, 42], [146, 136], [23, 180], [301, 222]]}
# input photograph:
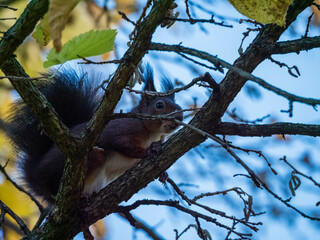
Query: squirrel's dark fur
{"points": [[75, 98]]}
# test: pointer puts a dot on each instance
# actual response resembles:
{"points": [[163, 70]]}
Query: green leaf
{"points": [[42, 32], [88, 44]]}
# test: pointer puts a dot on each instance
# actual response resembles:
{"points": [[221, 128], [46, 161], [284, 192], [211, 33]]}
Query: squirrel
{"points": [[121, 145]]}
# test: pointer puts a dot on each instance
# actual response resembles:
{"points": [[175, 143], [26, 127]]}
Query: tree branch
{"points": [[19, 221], [20, 188], [176, 205], [302, 44], [138, 224], [22, 28], [263, 130], [245, 74], [42, 109], [39, 105]]}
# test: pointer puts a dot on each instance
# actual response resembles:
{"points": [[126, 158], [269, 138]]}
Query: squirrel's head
{"points": [[155, 105]]}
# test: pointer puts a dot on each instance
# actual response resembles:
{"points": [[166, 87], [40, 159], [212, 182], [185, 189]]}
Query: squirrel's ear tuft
{"points": [[148, 79], [167, 85]]}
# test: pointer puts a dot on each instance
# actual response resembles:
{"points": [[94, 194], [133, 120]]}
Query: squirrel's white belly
{"points": [[116, 164]]}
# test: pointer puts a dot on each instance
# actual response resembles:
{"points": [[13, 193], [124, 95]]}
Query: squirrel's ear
{"points": [[167, 85], [148, 79]]}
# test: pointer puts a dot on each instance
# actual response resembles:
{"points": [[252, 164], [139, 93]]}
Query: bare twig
{"points": [[18, 220], [124, 16], [217, 67], [187, 9], [3, 19], [176, 205], [142, 15], [233, 227], [297, 72], [308, 25], [238, 190], [200, 230], [193, 21], [290, 109], [226, 147], [296, 171], [88, 61], [184, 231], [138, 224], [5, 6], [20, 188], [23, 78], [214, 211], [206, 10], [144, 11], [245, 35], [260, 154], [236, 117], [204, 78]]}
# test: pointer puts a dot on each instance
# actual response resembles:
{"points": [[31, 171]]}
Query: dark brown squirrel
{"points": [[122, 144]]}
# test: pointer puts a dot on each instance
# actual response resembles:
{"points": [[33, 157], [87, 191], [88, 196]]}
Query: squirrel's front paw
{"points": [[97, 157]]}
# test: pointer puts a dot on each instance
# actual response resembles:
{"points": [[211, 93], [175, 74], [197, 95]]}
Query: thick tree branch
{"points": [[263, 130], [294, 46], [41, 108], [22, 28]]}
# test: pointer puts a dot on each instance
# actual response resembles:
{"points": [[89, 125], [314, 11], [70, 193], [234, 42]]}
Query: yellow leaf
{"points": [[315, 10], [264, 11], [59, 11], [99, 229]]}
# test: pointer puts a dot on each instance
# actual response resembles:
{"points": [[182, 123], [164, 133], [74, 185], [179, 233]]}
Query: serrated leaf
{"points": [[58, 14], [264, 11], [88, 44], [42, 32]]}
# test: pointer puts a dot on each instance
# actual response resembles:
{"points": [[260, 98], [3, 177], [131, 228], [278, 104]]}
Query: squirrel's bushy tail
{"points": [[74, 98]]}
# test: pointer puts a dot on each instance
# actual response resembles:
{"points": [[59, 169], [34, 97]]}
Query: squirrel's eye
{"points": [[159, 105]]}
